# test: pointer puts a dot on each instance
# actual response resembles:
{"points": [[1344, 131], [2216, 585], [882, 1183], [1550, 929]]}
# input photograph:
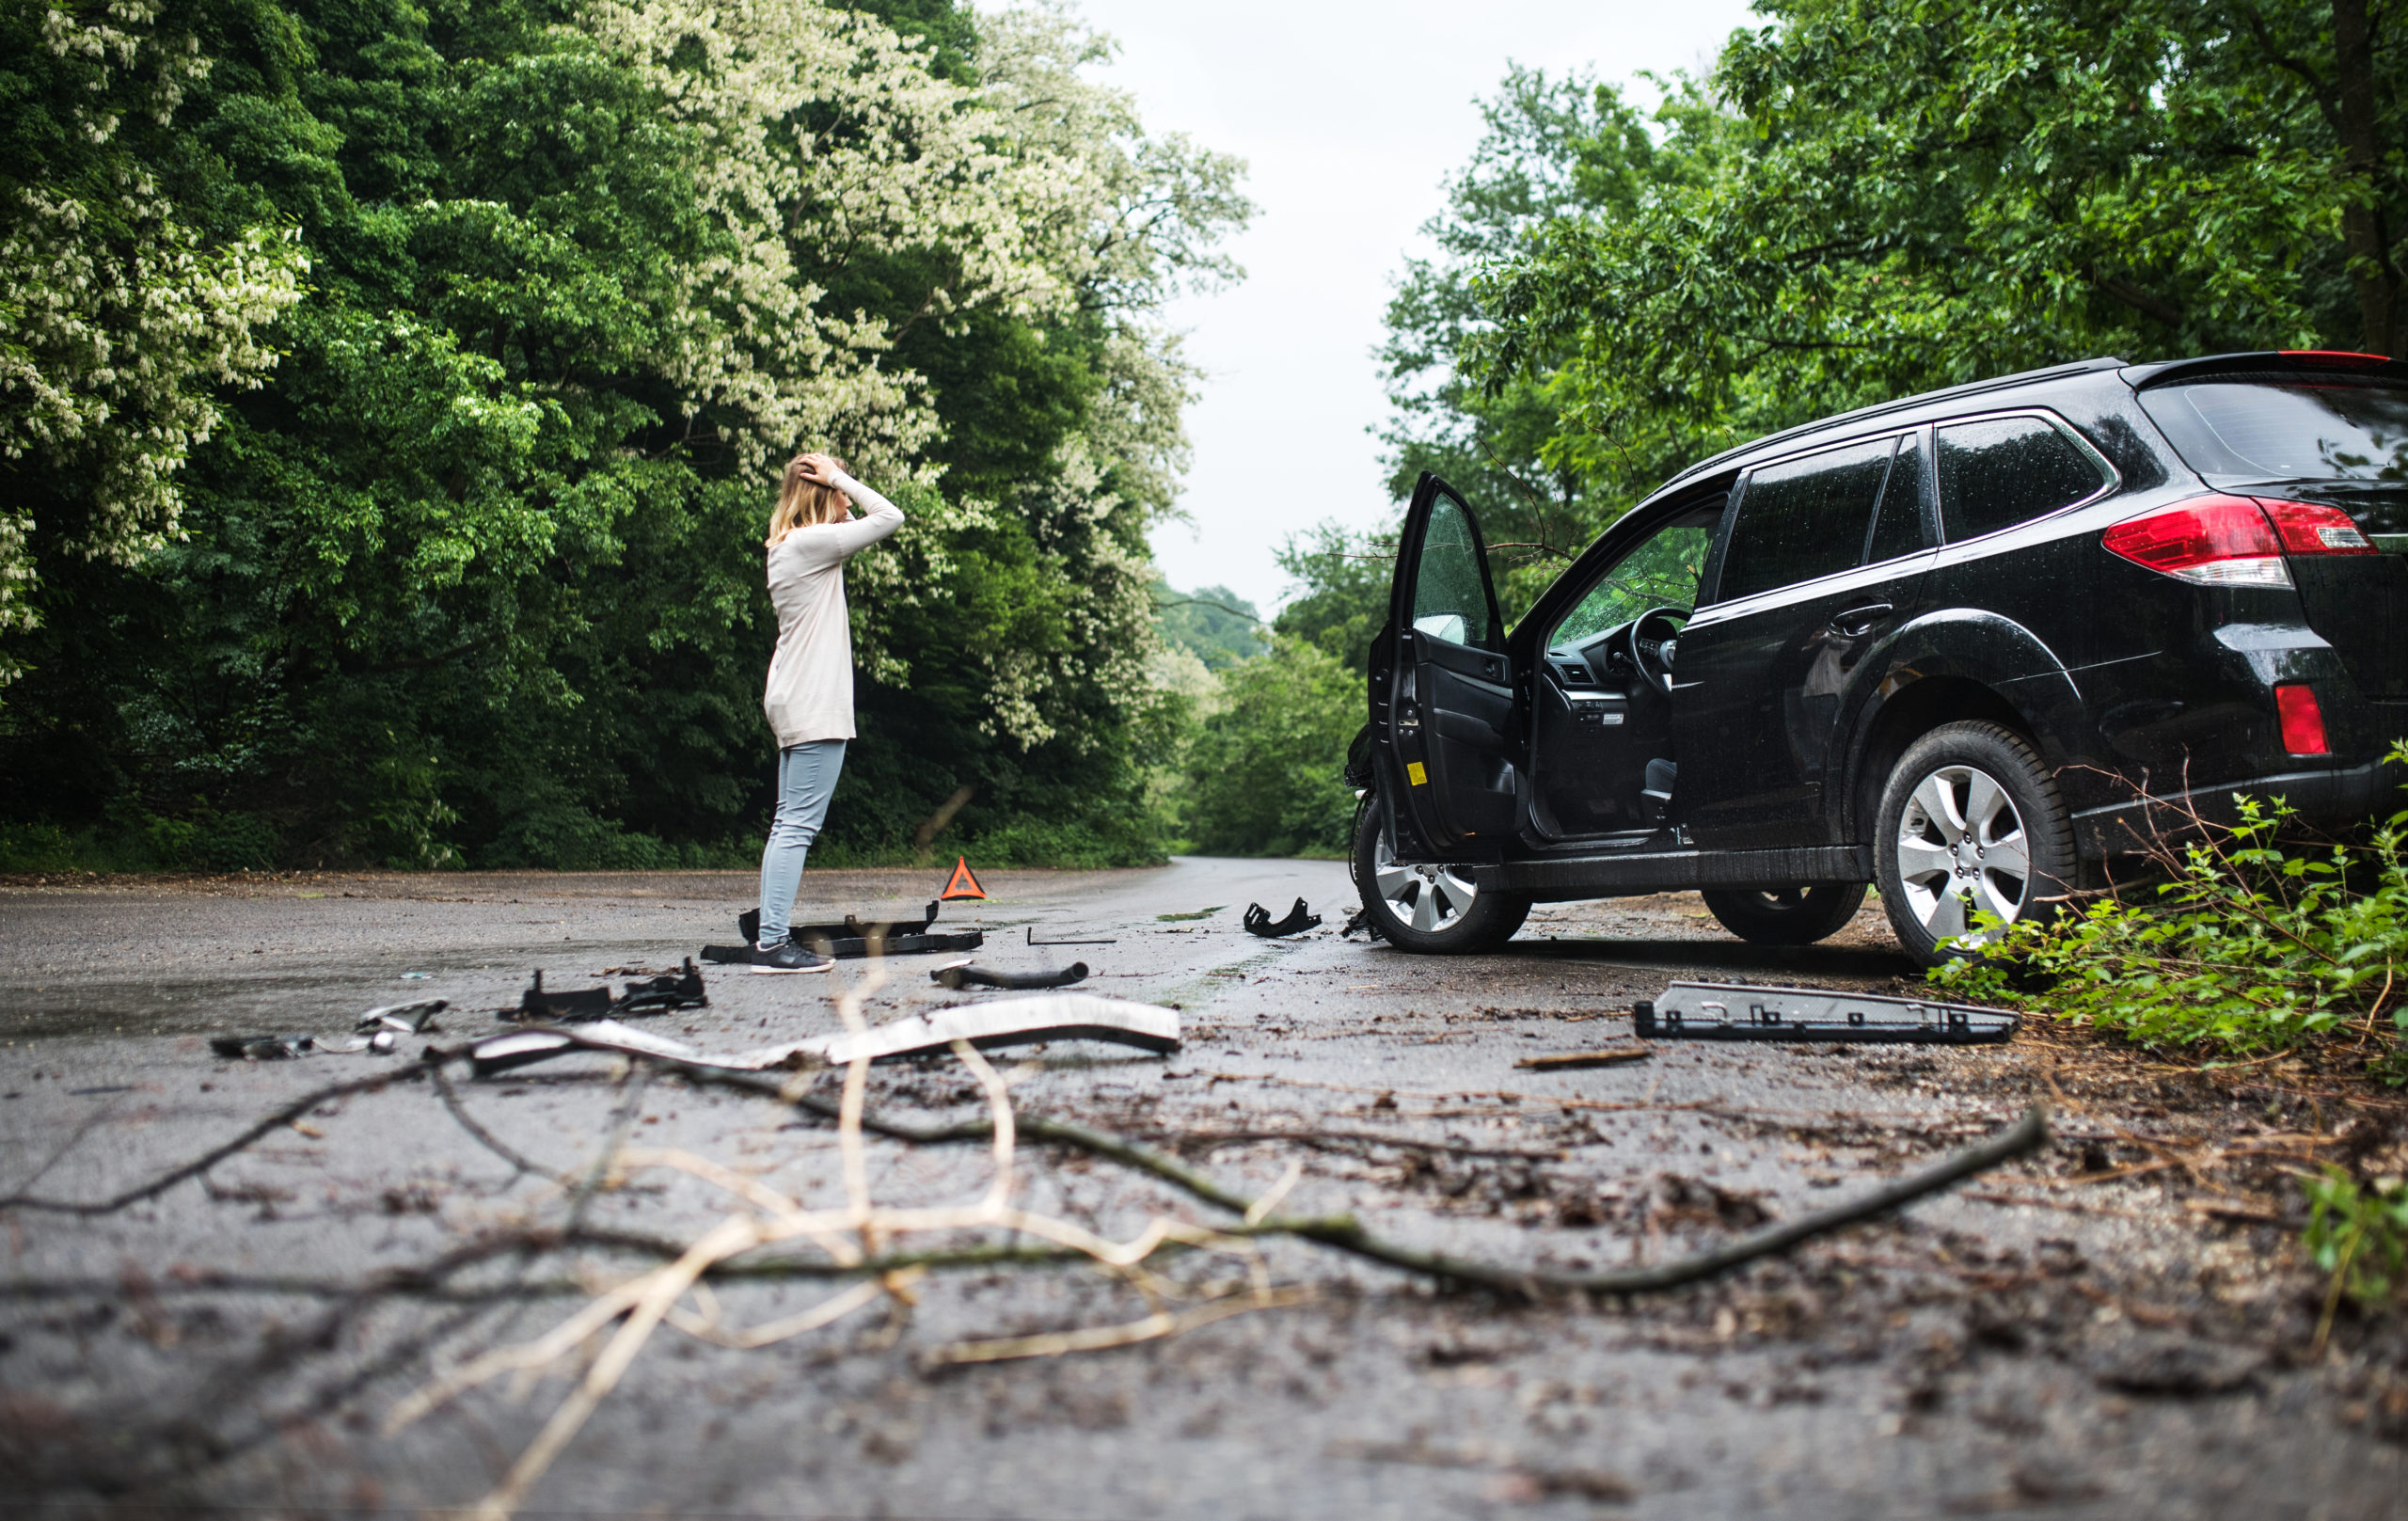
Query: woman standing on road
{"points": [[810, 695]]}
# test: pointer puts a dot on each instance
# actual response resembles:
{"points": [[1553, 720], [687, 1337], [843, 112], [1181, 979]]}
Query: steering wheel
{"points": [[1645, 647]]}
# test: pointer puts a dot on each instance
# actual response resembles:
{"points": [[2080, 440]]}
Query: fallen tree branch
{"points": [[2026, 1135], [207, 1160], [486, 1138]]}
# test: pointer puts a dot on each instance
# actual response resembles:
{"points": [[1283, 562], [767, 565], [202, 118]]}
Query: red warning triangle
{"points": [[964, 884]]}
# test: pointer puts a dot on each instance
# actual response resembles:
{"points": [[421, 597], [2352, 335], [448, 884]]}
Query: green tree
{"points": [[1556, 150], [1265, 773], [1340, 590], [1211, 623], [1902, 194]]}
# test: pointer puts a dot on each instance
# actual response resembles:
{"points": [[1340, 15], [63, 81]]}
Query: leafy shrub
{"points": [[2247, 947]]}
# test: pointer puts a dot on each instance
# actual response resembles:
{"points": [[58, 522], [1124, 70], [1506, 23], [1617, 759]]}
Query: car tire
{"points": [[1430, 910], [1968, 786], [1792, 915]]}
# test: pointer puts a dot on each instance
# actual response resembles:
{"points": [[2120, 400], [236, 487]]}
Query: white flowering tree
{"points": [[119, 323]]}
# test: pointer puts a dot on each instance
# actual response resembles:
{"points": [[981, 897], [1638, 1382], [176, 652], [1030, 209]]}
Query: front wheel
{"points": [[1971, 822], [1793, 915], [1430, 909]]}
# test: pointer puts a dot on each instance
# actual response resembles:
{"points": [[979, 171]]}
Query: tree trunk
{"points": [[2366, 232]]}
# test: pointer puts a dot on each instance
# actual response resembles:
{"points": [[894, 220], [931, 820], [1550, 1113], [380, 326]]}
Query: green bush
{"points": [[1265, 775], [2248, 947]]}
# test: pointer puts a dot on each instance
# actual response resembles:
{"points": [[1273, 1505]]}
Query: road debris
{"points": [[851, 938], [1568, 1060], [851, 927], [1190, 916], [540, 1004], [1735, 1011], [262, 1048], [403, 1019], [959, 975], [682, 989], [1360, 920], [1300, 918], [1005, 1023], [1107, 939]]}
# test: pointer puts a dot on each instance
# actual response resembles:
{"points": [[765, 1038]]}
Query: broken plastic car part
{"points": [[1005, 1023], [539, 1005], [851, 938], [851, 927], [965, 975], [1300, 918], [262, 1048], [403, 1019], [1727, 1011]]}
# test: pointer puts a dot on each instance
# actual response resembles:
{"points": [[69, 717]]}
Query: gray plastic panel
{"points": [[1734, 1011]]}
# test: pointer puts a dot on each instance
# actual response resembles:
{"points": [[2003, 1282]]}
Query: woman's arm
{"points": [[881, 516]]}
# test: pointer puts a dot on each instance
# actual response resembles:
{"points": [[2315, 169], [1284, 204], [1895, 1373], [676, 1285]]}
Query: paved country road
{"points": [[2044, 1340]]}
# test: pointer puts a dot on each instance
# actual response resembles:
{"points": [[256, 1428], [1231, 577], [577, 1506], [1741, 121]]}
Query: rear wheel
{"points": [[1970, 821], [1430, 909], [1792, 915]]}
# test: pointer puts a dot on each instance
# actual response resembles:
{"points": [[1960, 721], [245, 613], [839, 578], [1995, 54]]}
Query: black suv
{"points": [[1966, 646]]}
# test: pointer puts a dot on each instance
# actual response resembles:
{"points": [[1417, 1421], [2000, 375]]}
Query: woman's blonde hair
{"points": [[803, 502]]}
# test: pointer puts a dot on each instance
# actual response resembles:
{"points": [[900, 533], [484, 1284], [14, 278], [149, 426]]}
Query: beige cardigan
{"points": [[810, 694]]}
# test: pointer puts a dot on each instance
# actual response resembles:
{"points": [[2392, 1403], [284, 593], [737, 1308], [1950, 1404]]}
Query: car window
{"points": [[1450, 594], [2238, 433], [1804, 518], [2003, 472], [1661, 570], [1897, 526]]}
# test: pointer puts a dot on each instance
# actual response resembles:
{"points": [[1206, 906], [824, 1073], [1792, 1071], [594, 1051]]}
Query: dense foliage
{"points": [[535, 296]]}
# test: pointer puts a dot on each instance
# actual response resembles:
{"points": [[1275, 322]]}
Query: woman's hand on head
{"points": [[821, 469]]}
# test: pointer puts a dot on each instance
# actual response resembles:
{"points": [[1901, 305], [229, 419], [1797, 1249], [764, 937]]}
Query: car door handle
{"points": [[1855, 623]]}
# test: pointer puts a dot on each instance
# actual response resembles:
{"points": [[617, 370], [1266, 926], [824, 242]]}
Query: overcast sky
{"points": [[1349, 113]]}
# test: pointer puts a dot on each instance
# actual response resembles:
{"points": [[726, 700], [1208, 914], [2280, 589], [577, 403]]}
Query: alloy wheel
{"points": [[1428, 899], [1961, 849]]}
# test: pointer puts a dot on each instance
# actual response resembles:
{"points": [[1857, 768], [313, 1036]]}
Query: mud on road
{"points": [[2117, 1326]]}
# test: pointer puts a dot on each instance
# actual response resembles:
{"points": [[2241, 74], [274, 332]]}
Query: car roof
{"points": [[1775, 442]]}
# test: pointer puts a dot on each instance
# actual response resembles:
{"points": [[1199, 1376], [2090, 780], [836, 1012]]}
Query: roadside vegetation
{"points": [[2252, 944]]}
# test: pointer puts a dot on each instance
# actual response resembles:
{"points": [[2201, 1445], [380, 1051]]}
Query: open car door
{"points": [[1446, 726]]}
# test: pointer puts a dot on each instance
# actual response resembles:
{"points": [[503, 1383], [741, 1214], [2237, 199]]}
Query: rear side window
{"points": [[1996, 473], [1803, 519], [2238, 432]]}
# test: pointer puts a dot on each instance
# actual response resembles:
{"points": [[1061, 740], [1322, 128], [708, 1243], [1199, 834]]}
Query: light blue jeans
{"points": [[806, 780]]}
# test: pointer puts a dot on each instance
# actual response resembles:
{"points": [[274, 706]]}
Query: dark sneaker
{"points": [[789, 957]]}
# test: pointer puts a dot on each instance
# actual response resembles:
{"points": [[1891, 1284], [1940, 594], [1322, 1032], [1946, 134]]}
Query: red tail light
{"points": [[2307, 528], [2211, 541], [2235, 540], [2303, 720]]}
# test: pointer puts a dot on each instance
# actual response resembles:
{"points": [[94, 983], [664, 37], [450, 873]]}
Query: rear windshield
{"points": [[2236, 433]]}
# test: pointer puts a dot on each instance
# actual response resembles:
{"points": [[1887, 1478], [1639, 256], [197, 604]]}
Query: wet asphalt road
{"points": [[2013, 1348]]}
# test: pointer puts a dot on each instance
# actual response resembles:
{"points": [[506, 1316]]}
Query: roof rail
{"points": [[1975, 387]]}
